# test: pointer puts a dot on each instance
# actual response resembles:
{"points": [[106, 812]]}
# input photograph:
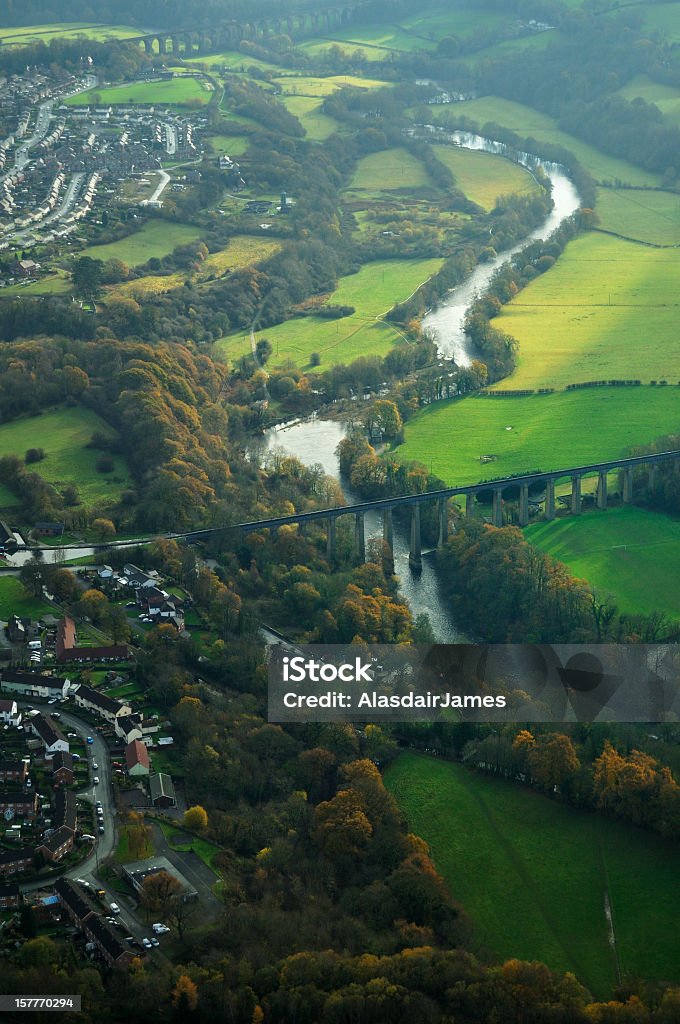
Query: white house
{"points": [[9, 713], [53, 739]]}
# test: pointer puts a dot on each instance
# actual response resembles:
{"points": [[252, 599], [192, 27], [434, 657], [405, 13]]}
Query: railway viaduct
{"points": [[227, 35]]}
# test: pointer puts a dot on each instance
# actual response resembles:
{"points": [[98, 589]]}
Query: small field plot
{"points": [[64, 435], [607, 310], [242, 251], [533, 873], [483, 177], [56, 283], [372, 292], [629, 553], [176, 92], [231, 59], [156, 238], [15, 600], [646, 216], [662, 19], [232, 145], [537, 432], [529, 122], [665, 97], [64, 30], [306, 85], [307, 109], [390, 170]]}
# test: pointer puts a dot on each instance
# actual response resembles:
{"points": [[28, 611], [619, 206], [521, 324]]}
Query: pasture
{"points": [[627, 552], [652, 217], [532, 874], [389, 170], [232, 145], [22, 36], [310, 85], [529, 122], [483, 177], [307, 109], [536, 432], [14, 600], [177, 92], [56, 283], [666, 98], [155, 238], [608, 309], [372, 291], [64, 434]]}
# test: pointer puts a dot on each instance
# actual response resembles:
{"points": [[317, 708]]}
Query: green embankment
{"points": [[532, 874]]}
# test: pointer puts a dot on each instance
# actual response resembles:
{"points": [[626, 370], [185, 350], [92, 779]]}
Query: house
{"points": [[30, 684], [10, 896], [13, 771], [162, 790], [20, 631], [18, 802], [137, 759], [67, 649], [136, 577], [106, 707], [57, 845], [77, 905], [53, 739], [9, 713], [25, 268], [107, 941], [65, 810], [13, 862], [105, 572], [62, 769], [49, 529], [138, 871], [129, 727]]}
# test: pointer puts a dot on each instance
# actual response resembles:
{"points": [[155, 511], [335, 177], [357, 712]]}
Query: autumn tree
{"points": [[138, 835], [552, 760], [195, 818], [159, 891], [185, 995], [104, 529]]}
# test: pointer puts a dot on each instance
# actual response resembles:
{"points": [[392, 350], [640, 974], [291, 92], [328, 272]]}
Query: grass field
{"points": [[53, 284], [232, 145], [529, 122], [532, 873], [308, 111], [648, 216], [14, 600], [232, 59], [63, 434], [662, 18], [64, 30], [311, 85], [569, 428], [389, 170], [483, 177], [629, 553], [608, 309], [178, 92], [373, 291], [666, 98], [155, 238]]}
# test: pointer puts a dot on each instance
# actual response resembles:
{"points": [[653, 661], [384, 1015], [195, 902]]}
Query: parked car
{"points": [[101, 830], [114, 908], [53, 700], [90, 740], [72, 735], [96, 780], [95, 765], [55, 714], [154, 942], [160, 929], [146, 943]]}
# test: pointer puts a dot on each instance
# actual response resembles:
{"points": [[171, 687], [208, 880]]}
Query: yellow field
{"points": [[308, 111], [483, 177], [305, 85], [390, 169]]}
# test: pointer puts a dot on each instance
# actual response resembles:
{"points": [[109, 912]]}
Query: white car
{"points": [[146, 943], [114, 908], [95, 765], [160, 929]]}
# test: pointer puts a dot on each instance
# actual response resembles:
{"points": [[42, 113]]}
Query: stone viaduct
{"points": [[227, 35]]}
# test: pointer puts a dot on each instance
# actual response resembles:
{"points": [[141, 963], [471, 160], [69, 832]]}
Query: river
{"points": [[314, 441]]}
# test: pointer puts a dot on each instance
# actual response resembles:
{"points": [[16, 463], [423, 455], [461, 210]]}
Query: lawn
{"points": [[64, 434], [52, 284], [155, 238], [14, 600], [608, 309], [307, 109], [232, 145], [569, 428], [388, 170], [372, 292], [532, 873], [308, 85], [648, 216], [178, 92], [64, 30], [529, 122], [629, 553], [483, 177], [666, 98]]}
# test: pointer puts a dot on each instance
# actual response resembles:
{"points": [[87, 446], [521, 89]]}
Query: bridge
{"points": [[192, 42], [523, 483]]}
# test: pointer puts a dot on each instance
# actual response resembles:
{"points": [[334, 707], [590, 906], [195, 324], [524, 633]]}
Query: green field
{"points": [[569, 428], [156, 238], [529, 122], [53, 284], [629, 553], [532, 874], [483, 177], [64, 30], [373, 291], [608, 309], [386, 171], [63, 434], [314, 85], [178, 91], [14, 600], [232, 59], [666, 98], [663, 19], [232, 145], [647, 216], [307, 109]]}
